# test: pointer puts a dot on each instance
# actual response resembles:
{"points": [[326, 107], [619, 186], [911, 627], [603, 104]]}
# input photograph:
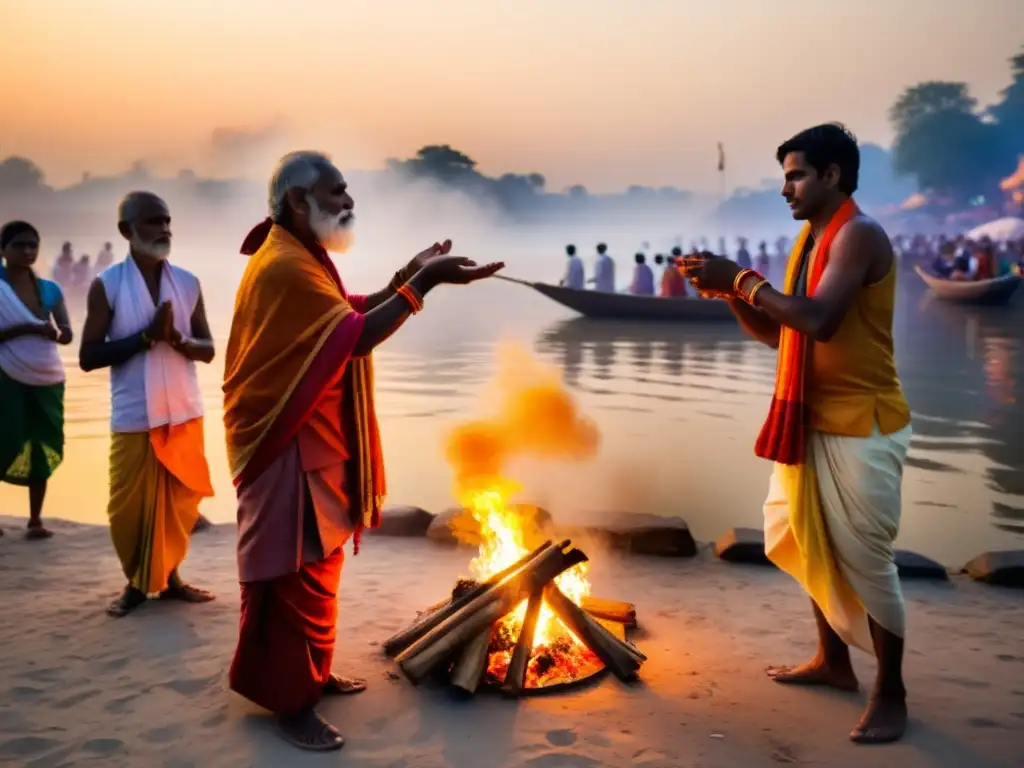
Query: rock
{"points": [[640, 534], [403, 521], [201, 524], [742, 545], [914, 566], [1004, 568], [458, 526]]}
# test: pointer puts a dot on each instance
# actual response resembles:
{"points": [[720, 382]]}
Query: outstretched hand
{"points": [[424, 257], [458, 270], [711, 275]]}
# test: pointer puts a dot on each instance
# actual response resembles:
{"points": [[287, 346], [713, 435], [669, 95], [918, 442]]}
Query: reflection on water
{"points": [[679, 407]]}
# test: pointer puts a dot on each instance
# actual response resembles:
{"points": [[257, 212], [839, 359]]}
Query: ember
{"points": [[520, 625]]}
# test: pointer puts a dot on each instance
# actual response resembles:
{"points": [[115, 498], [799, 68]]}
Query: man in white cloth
{"points": [[574, 277], [147, 323], [604, 271], [839, 426]]}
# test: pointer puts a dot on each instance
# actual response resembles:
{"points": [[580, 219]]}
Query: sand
{"points": [[80, 688]]}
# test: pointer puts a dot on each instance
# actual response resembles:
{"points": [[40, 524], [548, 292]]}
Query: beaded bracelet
{"points": [[412, 296]]}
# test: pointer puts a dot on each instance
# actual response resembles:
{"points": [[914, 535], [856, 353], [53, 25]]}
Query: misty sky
{"points": [[601, 92]]}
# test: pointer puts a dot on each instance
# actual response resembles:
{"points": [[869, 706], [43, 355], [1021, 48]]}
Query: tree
{"points": [[1009, 112], [943, 143], [19, 174]]}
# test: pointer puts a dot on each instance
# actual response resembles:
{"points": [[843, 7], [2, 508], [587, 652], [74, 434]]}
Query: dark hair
{"points": [[571, 250], [601, 247], [658, 258], [640, 258], [825, 145], [677, 251], [13, 229]]}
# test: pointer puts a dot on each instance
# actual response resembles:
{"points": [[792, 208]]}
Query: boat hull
{"points": [[994, 292], [627, 306]]}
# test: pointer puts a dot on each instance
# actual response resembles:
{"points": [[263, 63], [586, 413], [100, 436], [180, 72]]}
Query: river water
{"points": [[678, 406]]}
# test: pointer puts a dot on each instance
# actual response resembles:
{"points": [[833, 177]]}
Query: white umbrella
{"points": [[1000, 230]]}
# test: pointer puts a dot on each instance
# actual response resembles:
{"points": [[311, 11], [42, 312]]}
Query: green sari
{"points": [[32, 437]]}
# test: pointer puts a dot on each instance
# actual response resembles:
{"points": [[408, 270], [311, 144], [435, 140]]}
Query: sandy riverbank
{"points": [[79, 688]]}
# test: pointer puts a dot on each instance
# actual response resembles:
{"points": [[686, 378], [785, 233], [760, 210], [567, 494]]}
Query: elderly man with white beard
{"points": [[147, 323], [302, 437]]}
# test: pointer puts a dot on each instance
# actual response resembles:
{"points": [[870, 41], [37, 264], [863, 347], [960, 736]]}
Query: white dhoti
{"points": [[831, 523]]}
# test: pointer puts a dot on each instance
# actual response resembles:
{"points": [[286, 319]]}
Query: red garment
{"points": [[672, 283], [286, 637]]}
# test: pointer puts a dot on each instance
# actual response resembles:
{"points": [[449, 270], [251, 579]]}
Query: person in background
{"points": [[574, 277], [81, 274], [604, 271], [33, 321], [723, 248], [764, 261], [673, 286], [146, 321], [743, 255], [983, 264], [782, 249], [643, 278], [942, 265], [64, 267], [659, 268], [105, 257]]}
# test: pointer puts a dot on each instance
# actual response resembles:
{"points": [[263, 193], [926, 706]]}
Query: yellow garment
{"points": [[852, 383], [830, 523], [157, 480]]}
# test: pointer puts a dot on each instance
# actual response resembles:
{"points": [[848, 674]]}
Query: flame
{"points": [[539, 418]]}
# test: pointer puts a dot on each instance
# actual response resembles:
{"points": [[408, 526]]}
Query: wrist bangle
{"points": [[412, 297], [754, 290], [739, 279]]}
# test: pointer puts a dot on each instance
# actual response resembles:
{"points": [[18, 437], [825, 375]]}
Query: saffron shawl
{"points": [[783, 437], [292, 339]]}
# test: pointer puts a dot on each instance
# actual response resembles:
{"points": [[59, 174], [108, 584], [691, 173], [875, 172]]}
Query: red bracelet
{"points": [[412, 296]]}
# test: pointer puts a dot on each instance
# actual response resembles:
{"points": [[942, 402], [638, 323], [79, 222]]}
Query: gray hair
{"points": [[296, 170], [132, 203]]}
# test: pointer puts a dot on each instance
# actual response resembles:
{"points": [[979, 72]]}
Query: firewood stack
{"points": [[454, 636]]}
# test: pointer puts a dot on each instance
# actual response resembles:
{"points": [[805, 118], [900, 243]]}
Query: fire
{"points": [[539, 418]]}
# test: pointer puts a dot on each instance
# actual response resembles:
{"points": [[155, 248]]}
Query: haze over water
{"points": [[679, 407]]}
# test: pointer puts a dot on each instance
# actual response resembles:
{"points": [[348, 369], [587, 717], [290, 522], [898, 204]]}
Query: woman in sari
{"points": [[33, 321]]}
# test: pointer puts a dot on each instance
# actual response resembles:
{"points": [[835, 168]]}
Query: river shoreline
{"points": [[151, 688]]}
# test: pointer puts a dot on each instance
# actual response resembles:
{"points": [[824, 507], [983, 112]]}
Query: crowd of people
{"points": [[74, 275], [954, 258], [961, 258]]}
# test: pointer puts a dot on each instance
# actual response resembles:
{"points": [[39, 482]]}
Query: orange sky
{"points": [[601, 92]]}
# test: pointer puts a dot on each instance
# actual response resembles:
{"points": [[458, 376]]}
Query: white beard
{"points": [[159, 251], [334, 231]]}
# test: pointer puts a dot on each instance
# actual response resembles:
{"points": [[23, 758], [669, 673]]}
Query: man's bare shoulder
{"points": [[863, 236]]}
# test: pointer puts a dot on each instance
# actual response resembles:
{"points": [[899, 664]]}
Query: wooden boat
{"points": [[627, 306], [998, 290]]}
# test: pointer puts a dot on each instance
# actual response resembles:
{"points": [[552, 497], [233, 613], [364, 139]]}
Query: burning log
{"points": [[610, 610], [469, 668], [515, 678], [465, 622], [442, 611], [620, 657]]}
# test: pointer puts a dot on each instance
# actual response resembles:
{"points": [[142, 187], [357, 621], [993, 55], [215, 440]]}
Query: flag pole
{"points": [[721, 181]]}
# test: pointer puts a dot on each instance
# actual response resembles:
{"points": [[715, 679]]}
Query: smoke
{"points": [[535, 417]]}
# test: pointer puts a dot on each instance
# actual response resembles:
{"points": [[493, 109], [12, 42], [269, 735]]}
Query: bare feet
{"points": [[36, 531], [179, 590], [129, 600], [815, 672], [343, 686], [884, 720], [307, 730]]}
